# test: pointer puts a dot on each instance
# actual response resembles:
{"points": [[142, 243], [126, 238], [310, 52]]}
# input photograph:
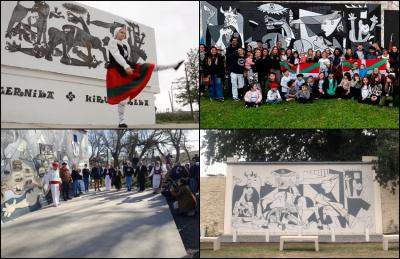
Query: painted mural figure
{"points": [[298, 26], [322, 199], [66, 42], [364, 30]]}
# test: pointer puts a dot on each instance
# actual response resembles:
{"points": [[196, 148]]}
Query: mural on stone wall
{"points": [[315, 200], [71, 41], [300, 26], [26, 155]]}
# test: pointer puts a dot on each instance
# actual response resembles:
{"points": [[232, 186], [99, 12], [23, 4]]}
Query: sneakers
{"points": [[178, 65]]}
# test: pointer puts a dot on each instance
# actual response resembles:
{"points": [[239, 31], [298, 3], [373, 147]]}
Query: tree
{"points": [[309, 145], [188, 87], [387, 166], [115, 143], [97, 147]]}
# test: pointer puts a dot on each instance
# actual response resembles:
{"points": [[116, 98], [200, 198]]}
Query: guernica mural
{"points": [[68, 33], [300, 26], [26, 155], [306, 199]]}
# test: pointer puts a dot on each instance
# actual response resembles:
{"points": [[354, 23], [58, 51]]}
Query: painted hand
{"points": [[9, 209], [374, 19], [352, 17]]}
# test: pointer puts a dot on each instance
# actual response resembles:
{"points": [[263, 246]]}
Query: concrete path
{"points": [[97, 224]]}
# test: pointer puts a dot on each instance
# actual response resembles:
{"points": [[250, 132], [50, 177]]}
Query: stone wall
{"points": [[390, 211], [212, 204]]}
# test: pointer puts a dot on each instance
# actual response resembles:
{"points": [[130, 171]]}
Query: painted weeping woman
{"points": [[125, 80]]}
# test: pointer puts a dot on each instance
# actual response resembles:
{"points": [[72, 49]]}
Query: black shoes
{"points": [[178, 65], [122, 125]]}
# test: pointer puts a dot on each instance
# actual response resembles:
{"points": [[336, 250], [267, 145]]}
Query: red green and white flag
{"points": [[287, 66], [370, 64], [308, 69], [347, 65]]}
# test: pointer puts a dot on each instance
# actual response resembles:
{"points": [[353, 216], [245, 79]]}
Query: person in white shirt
{"points": [[157, 172], [53, 181], [284, 83], [273, 96], [324, 63]]}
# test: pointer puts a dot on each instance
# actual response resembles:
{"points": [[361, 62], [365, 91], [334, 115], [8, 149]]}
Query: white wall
{"points": [[310, 188]]}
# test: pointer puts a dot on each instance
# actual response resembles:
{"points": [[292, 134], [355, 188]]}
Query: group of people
{"points": [[258, 75], [185, 179]]}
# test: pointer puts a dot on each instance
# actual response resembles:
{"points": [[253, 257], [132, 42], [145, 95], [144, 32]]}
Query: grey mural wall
{"points": [[299, 25], [303, 199], [66, 32], [26, 155]]}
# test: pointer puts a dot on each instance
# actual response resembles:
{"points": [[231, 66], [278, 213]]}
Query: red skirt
{"points": [[121, 87]]}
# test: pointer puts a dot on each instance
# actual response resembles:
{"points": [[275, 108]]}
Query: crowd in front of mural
{"points": [[179, 182], [255, 74]]}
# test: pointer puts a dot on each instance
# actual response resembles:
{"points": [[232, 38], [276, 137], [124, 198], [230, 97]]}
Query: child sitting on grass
{"points": [[303, 95], [292, 91], [273, 96], [253, 97]]}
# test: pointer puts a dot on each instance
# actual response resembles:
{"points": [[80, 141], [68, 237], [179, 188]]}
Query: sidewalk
{"points": [[97, 224]]}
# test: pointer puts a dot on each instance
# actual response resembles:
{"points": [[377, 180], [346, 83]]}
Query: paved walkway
{"points": [[97, 224]]}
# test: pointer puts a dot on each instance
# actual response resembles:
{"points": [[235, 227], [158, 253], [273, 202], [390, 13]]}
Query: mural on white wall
{"points": [[315, 200], [301, 26], [72, 40], [26, 155]]}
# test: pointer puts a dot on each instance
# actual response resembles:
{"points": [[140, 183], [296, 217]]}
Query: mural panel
{"points": [[26, 155], [297, 25], [67, 36], [320, 199]]}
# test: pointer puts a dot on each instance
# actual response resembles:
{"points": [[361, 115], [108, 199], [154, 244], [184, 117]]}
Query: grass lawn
{"points": [[177, 117], [296, 250], [319, 114]]}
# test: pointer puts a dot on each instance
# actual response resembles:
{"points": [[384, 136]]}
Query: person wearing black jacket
{"points": [[237, 70], [86, 174], [274, 63], [75, 178], [215, 71], [142, 173], [128, 173], [96, 174]]}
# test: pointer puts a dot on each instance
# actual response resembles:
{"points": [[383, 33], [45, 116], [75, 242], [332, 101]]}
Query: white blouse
{"points": [[114, 51]]}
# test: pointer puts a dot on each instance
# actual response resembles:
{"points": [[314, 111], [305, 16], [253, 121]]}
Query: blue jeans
{"points": [[193, 185], [75, 186], [86, 181], [215, 91], [276, 101], [128, 182]]}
